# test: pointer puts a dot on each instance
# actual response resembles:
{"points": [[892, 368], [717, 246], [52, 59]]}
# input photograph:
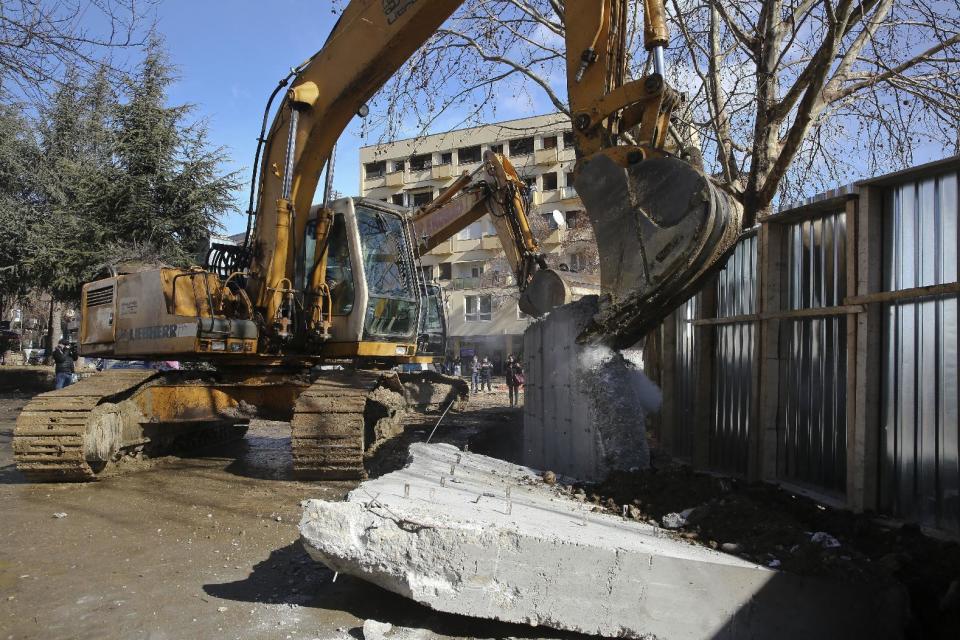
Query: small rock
{"points": [[713, 544], [690, 535], [59, 514], [376, 630], [773, 564], [221, 609], [550, 477], [278, 519], [730, 547], [673, 521], [825, 540], [634, 513]]}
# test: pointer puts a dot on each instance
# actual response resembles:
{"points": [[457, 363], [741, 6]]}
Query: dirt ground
{"points": [[199, 547], [206, 545]]}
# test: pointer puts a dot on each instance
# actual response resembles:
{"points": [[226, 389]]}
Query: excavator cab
{"points": [[371, 275]]}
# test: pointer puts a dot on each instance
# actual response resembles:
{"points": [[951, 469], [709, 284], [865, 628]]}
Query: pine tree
{"points": [[168, 190]]}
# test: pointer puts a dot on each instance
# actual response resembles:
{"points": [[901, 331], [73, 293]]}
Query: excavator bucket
{"points": [[660, 226]]}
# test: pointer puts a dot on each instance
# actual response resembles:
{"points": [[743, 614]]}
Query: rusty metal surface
{"points": [[920, 464], [813, 367], [660, 226]]}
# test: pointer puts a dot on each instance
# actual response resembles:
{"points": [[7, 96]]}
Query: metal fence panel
{"points": [[920, 467], [812, 443], [686, 367], [734, 345]]}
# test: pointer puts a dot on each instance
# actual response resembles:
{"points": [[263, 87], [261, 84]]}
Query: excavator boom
{"points": [[660, 223]]}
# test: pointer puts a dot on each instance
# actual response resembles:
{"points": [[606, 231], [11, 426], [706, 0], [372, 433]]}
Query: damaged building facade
{"points": [[824, 356], [483, 315]]}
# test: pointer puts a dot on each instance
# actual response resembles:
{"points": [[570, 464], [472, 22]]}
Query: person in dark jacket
{"points": [[486, 374], [514, 374], [64, 357]]}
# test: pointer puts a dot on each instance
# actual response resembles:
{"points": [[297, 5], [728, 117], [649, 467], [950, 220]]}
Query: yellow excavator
{"points": [[306, 320]]}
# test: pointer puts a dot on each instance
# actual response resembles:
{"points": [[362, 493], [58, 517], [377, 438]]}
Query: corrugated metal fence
{"points": [[812, 402], [920, 471], [733, 356], [782, 372]]}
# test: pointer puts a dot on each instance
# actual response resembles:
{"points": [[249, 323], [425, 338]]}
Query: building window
{"points": [[530, 181], [398, 165], [422, 197], [446, 158], [427, 272], [421, 161], [497, 148], [466, 155], [521, 146], [446, 270], [549, 221], [579, 261], [550, 181], [568, 139], [549, 142], [574, 219], [375, 169], [568, 179], [478, 308], [397, 199]]}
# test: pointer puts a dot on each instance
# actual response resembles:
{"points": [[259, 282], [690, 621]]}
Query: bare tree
{"points": [[785, 97], [40, 41]]}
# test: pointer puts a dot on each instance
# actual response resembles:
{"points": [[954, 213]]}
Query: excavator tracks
{"points": [[328, 426], [51, 440]]}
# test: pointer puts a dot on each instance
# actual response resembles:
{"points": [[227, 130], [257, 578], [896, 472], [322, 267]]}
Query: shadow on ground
{"points": [[290, 576]]}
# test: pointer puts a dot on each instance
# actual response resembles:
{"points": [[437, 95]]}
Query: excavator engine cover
{"points": [[660, 226]]}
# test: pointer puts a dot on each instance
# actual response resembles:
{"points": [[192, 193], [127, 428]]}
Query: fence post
{"points": [[863, 439], [771, 268]]}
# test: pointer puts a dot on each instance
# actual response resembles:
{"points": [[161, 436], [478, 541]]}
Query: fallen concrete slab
{"points": [[468, 534]]}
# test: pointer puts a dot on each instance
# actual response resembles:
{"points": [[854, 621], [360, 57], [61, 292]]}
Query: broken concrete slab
{"points": [[468, 534], [585, 406]]}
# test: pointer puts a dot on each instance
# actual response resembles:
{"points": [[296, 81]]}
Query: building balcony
{"points": [[553, 195], [374, 180], [490, 243], [459, 284], [545, 156], [419, 175], [555, 237], [395, 179], [441, 171]]}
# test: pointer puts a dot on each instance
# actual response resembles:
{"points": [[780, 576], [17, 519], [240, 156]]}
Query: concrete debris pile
{"points": [[467, 534], [585, 406]]}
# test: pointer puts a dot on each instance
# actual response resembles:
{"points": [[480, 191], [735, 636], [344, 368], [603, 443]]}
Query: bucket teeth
{"points": [[660, 226]]}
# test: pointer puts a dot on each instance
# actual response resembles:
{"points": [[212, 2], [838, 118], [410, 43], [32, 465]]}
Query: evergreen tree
{"points": [[167, 191], [19, 199]]}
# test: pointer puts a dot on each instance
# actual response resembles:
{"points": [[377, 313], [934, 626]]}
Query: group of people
{"points": [[481, 375]]}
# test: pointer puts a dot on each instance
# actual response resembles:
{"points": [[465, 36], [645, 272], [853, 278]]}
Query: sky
{"points": [[230, 56]]}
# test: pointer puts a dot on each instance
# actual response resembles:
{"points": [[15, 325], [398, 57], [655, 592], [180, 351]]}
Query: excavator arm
{"points": [[660, 224], [494, 189]]}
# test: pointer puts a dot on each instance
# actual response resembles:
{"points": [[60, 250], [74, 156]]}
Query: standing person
{"points": [[474, 374], [486, 373], [64, 357], [515, 380]]}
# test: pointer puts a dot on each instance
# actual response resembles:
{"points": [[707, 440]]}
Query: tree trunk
{"points": [[53, 329]]}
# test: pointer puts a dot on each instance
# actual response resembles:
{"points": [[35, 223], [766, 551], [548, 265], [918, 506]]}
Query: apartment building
{"points": [[481, 294]]}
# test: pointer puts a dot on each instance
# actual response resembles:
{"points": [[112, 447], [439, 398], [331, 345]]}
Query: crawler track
{"points": [[48, 440], [328, 426]]}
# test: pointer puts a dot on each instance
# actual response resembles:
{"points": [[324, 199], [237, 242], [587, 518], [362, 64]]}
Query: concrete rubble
{"points": [[585, 406], [467, 534]]}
